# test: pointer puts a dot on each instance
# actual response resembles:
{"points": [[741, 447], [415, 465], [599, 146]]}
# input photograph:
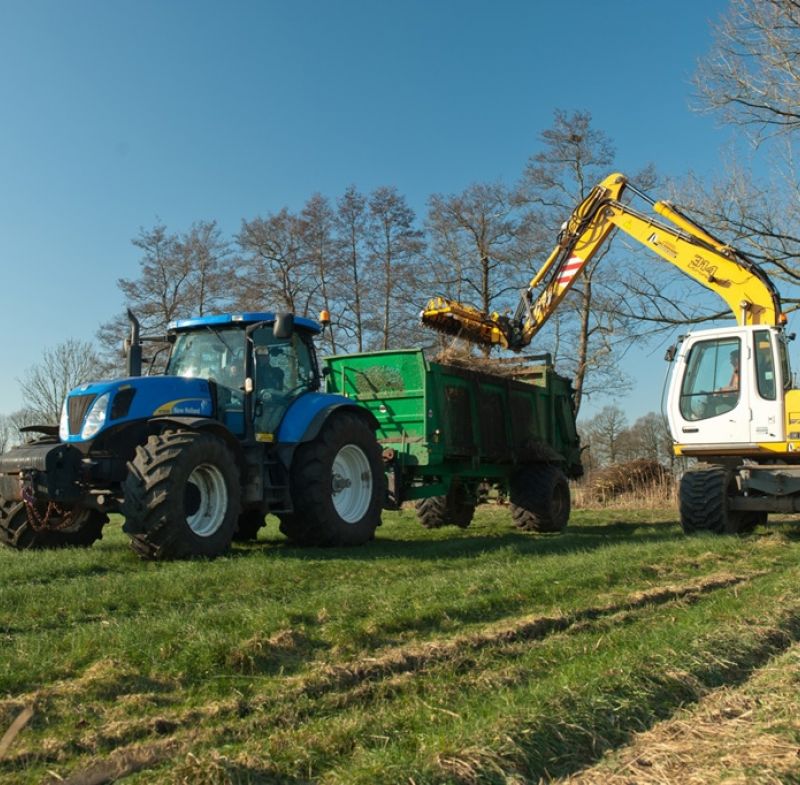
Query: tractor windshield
{"points": [[212, 353]]}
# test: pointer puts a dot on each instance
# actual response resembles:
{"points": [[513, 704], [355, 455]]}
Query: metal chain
{"points": [[39, 523]]}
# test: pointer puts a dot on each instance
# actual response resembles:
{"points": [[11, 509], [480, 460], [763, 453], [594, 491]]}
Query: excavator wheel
{"points": [[704, 493]]}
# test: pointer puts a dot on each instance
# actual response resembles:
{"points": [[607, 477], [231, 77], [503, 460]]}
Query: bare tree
{"points": [[273, 269], [351, 222], [395, 245], [585, 331], [180, 276], [317, 227], [8, 433], [22, 418], [605, 434], [752, 79], [475, 238], [752, 75], [209, 260], [46, 384], [649, 437]]}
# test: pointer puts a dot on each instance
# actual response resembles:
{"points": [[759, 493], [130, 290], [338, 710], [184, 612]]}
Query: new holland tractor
{"points": [[237, 427]]}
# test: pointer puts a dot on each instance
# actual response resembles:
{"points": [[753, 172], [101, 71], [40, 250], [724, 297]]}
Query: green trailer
{"points": [[453, 436]]}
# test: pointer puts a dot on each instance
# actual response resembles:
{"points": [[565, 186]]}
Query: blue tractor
{"points": [[237, 427]]}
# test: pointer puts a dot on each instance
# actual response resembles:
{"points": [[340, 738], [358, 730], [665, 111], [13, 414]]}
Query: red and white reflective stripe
{"points": [[567, 273]]}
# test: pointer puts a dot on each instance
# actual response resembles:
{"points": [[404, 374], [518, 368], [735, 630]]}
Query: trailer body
{"points": [[448, 430]]}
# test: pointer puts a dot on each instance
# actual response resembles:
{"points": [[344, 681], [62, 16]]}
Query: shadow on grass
{"points": [[576, 538]]}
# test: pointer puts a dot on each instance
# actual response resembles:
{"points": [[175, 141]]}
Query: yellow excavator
{"points": [[731, 404]]}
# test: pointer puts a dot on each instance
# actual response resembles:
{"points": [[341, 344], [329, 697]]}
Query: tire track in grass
{"points": [[415, 658], [746, 734], [573, 735], [347, 683]]}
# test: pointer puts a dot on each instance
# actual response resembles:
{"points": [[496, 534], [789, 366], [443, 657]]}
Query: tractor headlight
{"points": [[96, 417], [63, 425]]}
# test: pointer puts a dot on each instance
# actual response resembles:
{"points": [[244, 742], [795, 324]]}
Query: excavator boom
{"points": [[741, 283]]}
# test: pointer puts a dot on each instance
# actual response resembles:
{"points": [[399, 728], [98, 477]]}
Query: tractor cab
{"points": [[256, 365]]}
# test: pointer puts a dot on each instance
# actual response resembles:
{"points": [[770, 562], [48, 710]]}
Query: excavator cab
{"points": [[727, 391]]}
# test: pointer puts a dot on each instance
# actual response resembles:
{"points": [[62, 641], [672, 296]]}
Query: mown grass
{"points": [[427, 656]]}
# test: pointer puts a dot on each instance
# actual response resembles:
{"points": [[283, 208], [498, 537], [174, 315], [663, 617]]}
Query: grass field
{"points": [[618, 652]]}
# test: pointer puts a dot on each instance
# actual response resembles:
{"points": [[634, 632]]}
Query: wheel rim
{"points": [[205, 500], [351, 486]]}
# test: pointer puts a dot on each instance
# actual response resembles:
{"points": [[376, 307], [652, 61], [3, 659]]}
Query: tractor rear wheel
{"points": [[540, 499], [457, 508], [182, 496], [338, 485], [16, 530]]}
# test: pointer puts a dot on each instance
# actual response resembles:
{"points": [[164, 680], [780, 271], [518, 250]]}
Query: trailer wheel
{"points": [[540, 499], [338, 485], [456, 508], [704, 493], [17, 532], [248, 525], [182, 496]]}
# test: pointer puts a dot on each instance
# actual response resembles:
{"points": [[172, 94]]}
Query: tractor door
{"points": [[283, 370]]}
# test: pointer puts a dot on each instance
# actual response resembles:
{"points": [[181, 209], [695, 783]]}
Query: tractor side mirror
{"points": [[284, 325], [669, 356]]}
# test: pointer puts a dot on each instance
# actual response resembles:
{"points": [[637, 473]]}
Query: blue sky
{"points": [[116, 114]]}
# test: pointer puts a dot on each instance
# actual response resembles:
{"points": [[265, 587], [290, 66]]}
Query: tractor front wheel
{"points": [[182, 496]]}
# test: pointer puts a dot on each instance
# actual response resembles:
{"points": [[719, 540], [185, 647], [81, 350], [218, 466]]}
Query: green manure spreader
{"points": [[453, 436]]}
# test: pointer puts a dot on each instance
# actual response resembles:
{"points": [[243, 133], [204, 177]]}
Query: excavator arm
{"points": [[741, 283]]}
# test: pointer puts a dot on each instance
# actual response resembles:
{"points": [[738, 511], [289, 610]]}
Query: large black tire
{"points": [[17, 532], [248, 525], [540, 499], [182, 496], [338, 485], [704, 493], [456, 508], [291, 527]]}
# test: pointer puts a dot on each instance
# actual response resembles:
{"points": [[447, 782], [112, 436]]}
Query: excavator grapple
{"points": [[464, 321]]}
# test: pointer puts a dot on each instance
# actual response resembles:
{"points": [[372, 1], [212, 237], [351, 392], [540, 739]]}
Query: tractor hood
{"points": [[96, 406]]}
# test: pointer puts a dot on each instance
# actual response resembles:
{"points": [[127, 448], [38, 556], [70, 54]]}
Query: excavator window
{"points": [[711, 383], [765, 366]]}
